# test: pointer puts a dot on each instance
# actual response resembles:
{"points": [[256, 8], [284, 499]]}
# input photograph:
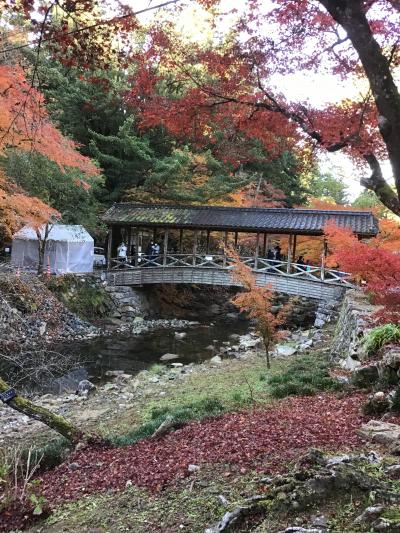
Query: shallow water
{"points": [[132, 354]]}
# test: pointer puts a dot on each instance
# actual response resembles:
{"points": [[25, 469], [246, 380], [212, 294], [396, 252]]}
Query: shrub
{"points": [[381, 335], [87, 301], [196, 410], [303, 376]]}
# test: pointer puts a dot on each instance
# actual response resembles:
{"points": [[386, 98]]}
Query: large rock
{"points": [[382, 432], [285, 350], [350, 363], [85, 387], [365, 376], [169, 357]]}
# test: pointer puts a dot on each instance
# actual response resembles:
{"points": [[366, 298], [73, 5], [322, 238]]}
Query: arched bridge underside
{"points": [[298, 281]]}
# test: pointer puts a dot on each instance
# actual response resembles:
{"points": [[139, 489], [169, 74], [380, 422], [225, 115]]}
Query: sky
{"points": [[318, 89]]}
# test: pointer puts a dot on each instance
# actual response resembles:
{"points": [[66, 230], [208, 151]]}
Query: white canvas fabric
{"points": [[68, 249]]}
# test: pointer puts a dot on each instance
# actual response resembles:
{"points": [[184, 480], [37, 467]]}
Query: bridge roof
{"points": [[245, 219]]}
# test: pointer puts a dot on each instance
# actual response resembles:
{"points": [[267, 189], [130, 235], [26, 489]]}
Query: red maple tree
{"points": [[24, 123], [368, 263]]}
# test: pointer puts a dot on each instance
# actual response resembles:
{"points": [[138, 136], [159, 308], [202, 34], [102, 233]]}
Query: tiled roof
{"points": [[251, 219]]}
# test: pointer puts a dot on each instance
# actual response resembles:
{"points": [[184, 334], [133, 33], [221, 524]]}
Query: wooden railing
{"points": [[260, 264]]}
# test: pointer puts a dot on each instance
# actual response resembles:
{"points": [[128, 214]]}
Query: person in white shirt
{"points": [[122, 252]]}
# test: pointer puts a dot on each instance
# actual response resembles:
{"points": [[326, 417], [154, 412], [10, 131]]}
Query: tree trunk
{"points": [[350, 14], [267, 344], [42, 240], [53, 421]]}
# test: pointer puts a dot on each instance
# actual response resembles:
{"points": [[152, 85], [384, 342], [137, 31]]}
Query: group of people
{"points": [[152, 251], [275, 254]]}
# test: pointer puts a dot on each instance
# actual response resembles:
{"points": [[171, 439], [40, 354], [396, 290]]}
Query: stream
{"points": [[133, 353]]}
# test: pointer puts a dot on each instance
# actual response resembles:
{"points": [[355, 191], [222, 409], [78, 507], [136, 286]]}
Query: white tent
{"points": [[68, 249]]}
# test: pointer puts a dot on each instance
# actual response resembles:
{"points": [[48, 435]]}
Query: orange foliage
{"points": [[17, 209], [24, 123], [257, 302]]}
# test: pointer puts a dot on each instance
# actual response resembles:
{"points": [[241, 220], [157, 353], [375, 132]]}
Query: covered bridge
{"points": [[190, 243]]}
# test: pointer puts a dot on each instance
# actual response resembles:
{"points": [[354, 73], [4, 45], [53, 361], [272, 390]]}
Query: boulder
{"points": [[378, 403], [365, 376], [382, 432], [285, 350], [216, 359], [169, 357], [180, 334], [349, 363], [370, 514], [85, 387]]}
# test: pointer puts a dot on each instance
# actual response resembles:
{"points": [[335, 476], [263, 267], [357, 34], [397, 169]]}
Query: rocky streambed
{"points": [[99, 403]]}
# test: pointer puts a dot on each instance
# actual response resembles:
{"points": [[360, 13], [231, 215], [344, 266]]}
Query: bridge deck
{"points": [[312, 281]]}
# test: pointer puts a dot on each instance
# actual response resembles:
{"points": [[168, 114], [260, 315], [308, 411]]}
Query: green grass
{"points": [[304, 375], [381, 335], [197, 410]]}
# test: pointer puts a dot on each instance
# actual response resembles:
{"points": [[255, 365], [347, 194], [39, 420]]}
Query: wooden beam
{"points": [[165, 248], [257, 250], [225, 246], [294, 248], [195, 234], [265, 244], [180, 240], [109, 246], [289, 256], [136, 247], [236, 238], [208, 241]]}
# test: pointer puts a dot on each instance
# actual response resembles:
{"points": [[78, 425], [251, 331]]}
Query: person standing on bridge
{"points": [[122, 252], [278, 253]]}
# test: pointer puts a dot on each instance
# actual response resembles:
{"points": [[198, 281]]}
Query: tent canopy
{"points": [[68, 249], [58, 232]]}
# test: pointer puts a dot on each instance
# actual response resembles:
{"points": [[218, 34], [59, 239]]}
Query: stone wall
{"points": [[352, 325], [129, 303]]}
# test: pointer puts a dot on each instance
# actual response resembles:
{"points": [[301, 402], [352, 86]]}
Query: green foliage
{"points": [[195, 410], [326, 186], [43, 178], [281, 172], [86, 300], [52, 453], [304, 376], [381, 335]]}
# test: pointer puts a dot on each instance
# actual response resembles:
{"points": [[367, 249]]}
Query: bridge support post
{"points": [[208, 242], [136, 236], [165, 251], [194, 247], [180, 240], [289, 255], [225, 245], [109, 247], [257, 250]]}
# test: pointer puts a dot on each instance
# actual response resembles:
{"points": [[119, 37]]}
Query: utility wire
{"points": [[101, 23]]}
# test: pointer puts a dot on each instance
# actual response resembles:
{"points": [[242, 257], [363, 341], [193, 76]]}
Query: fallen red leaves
{"points": [[266, 438]]}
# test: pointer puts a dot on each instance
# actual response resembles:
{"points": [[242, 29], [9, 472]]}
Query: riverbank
{"points": [[235, 430]]}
